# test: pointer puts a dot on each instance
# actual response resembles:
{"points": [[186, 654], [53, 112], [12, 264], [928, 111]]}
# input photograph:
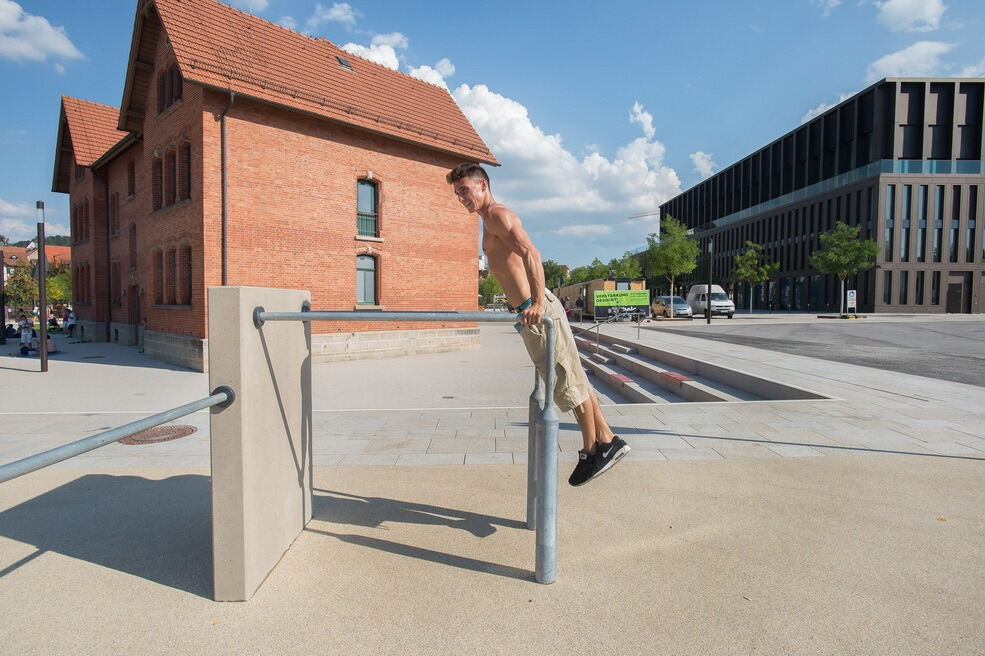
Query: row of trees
{"points": [[677, 254]]}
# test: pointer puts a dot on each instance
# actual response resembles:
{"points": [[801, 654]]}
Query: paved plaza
{"points": [[851, 524]]}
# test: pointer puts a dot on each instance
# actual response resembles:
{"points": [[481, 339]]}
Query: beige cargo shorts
{"points": [[571, 386]]}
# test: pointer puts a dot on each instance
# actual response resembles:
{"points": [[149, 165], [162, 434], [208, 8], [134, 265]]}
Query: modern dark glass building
{"points": [[902, 160]]}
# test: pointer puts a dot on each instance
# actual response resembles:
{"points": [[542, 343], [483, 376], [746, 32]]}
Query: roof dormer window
{"points": [[344, 63]]}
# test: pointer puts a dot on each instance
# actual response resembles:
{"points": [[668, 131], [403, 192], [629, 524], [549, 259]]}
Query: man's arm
{"points": [[506, 226]]}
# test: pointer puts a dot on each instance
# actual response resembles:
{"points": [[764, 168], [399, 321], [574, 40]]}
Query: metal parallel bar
{"points": [[533, 438], [220, 396], [545, 564], [260, 316], [542, 472]]}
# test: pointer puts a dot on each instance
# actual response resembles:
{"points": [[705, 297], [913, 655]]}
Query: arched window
{"points": [[367, 224], [365, 280]]}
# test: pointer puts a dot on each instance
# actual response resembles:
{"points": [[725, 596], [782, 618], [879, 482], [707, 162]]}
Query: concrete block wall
{"points": [[261, 444], [191, 352]]}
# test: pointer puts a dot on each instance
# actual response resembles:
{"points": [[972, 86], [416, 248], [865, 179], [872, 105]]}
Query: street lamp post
{"points": [[708, 294], [42, 292]]}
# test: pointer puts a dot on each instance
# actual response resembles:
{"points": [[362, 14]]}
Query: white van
{"points": [[720, 302]]}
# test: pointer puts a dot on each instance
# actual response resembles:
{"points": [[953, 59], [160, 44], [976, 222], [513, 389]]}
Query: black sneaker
{"points": [[591, 465], [609, 454], [584, 470]]}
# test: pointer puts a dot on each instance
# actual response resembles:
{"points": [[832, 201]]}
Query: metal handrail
{"points": [[597, 324], [221, 396], [542, 444]]}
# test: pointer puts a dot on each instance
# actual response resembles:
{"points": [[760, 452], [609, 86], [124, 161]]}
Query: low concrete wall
{"points": [[391, 343], [193, 352], [261, 444], [184, 350]]}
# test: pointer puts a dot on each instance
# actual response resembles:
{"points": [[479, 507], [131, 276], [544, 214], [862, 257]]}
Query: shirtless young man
{"points": [[516, 263]]}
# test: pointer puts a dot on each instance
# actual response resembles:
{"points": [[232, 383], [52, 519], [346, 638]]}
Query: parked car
{"points": [[662, 304], [720, 302]]}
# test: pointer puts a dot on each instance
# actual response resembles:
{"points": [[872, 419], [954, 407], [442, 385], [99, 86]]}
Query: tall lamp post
{"points": [[42, 292], [708, 290], [3, 299]]}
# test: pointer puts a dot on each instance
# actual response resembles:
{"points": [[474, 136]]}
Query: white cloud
{"points": [[975, 70], [823, 107], [25, 36], [584, 229], [826, 5], [394, 40], [249, 5], [288, 22], [703, 163], [911, 15], [436, 75], [383, 55], [382, 49], [340, 12], [644, 118], [922, 59], [19, 221], [539, 175]]}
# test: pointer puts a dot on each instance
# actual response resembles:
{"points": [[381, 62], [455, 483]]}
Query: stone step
{"points": [[620, 382], [673, 380]]}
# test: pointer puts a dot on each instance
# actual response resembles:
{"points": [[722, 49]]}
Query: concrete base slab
{"points": [[766, 556]]}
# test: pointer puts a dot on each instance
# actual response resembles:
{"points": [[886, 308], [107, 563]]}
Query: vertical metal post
{"points": [[536, 406], [42, 293], [545, 568]]}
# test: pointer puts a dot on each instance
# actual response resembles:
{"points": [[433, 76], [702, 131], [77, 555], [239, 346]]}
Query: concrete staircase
{"points": [[643, 374]]}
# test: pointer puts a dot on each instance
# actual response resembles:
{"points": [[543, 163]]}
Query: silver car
{"points": [[661, 306]]}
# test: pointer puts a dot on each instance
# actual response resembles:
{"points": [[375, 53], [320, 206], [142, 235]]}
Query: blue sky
{"points": [[598, 112]]}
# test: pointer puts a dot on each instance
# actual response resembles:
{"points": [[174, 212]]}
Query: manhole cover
{"points": [[159, 434]]}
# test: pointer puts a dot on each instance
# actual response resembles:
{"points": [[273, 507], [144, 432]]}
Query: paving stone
{"points": [[746, 451], [793, 450], [488, 458], [691, 454], [396, 446], [464, 445], [372, 459], [431, 459]]}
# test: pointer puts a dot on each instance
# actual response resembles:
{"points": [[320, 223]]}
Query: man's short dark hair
{"points": [[467, 170]]}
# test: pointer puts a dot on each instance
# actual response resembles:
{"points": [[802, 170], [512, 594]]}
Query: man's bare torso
{"points": [[507, 266]]}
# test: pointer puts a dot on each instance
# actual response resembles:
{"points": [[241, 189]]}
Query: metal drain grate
{"points": [[159, 434]]}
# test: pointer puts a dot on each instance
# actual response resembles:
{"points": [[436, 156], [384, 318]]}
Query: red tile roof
{"points": [[92, 128], [224, 48], [60, 253], [15, 254]]}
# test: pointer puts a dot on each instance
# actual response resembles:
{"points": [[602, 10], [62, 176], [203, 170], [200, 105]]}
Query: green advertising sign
{"points": [[619, 297]]}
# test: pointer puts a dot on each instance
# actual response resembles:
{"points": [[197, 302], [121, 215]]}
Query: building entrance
{"points": [[959, 293]]}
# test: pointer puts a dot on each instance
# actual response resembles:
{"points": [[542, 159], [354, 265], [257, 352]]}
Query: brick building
{"points": [[244, 153]]}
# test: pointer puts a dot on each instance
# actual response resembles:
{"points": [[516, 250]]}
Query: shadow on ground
{"points": [[159, 530], [371, 512]]}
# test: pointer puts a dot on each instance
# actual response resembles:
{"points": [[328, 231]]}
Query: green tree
{"points": [[59, 283], [488, 288], [4, 241], [673, 254], [553, 273], [844, 254], [625, 267], [597, 269], [751, 267], [21, 287]]}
